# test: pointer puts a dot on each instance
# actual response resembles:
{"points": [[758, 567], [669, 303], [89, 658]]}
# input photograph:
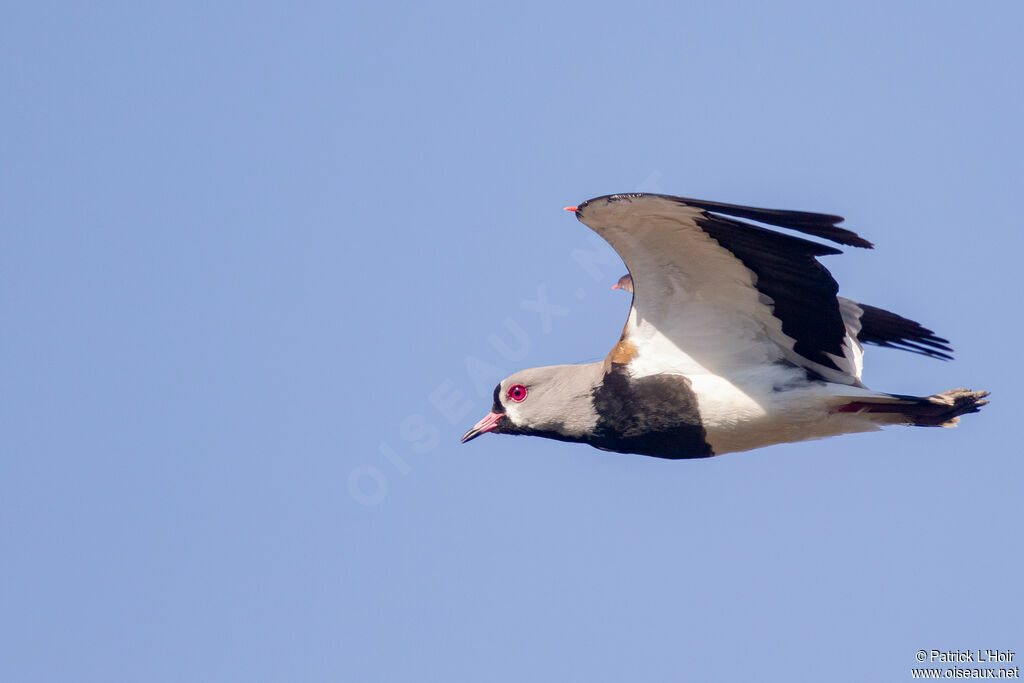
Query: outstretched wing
{"points": [[712, 294]]}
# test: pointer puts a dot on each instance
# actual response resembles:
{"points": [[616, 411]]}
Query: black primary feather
{"points": [[884, 328]]}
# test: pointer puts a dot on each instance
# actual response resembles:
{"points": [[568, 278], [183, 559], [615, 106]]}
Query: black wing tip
{"points": [[819, 224], [919, 349], [851, 238], [880, 327]]}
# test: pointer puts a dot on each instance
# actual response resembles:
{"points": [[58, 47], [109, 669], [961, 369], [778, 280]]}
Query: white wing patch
{"points": [[851, 313]]}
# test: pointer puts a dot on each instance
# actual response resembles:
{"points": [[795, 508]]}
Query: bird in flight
{"points": [[736, 339]]}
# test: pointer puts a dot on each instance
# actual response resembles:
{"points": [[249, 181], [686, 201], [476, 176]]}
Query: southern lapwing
{"points": [[735, 340]]}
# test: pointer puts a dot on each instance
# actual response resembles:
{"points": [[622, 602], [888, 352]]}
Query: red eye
{"points": [[517, 392]]}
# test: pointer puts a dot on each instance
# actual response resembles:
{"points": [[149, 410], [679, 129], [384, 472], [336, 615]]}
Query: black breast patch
{"points": [[655, 415]]}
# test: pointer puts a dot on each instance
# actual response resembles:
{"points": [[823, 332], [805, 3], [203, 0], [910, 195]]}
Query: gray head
{"points": [[554, 401]]}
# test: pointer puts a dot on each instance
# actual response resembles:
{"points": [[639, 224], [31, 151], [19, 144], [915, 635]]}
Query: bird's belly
{"points": [[760, 414]]}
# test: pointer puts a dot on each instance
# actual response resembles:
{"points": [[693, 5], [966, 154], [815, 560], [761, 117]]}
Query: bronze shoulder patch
{"points": [[622, 353]]}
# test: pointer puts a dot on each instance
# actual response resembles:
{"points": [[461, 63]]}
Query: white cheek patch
{"points": [[512, 411]]}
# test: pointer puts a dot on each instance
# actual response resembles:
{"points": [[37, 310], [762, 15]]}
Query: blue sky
{"points": [[260, 268]]}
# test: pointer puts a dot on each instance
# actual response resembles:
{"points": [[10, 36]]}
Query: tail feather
{"points": [[938, 410]]}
